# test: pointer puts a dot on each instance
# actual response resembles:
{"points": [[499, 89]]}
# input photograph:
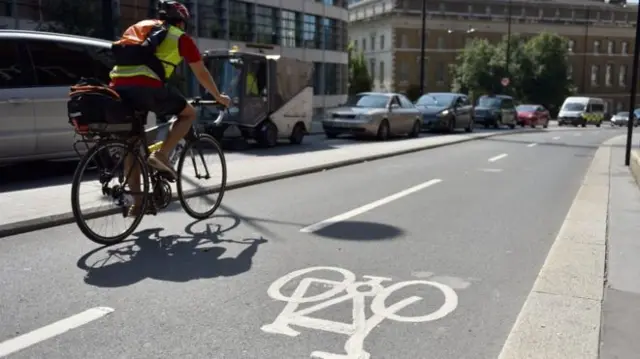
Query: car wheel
{"points": [[452, 125], [297, 135], [415, 130], [546, 124], [383, 131], [268, 136], [512, 126], [598, 124], [469, 127]]}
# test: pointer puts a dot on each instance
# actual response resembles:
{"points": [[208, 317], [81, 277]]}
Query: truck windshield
{"points": [[573, 106], [226, 72]]}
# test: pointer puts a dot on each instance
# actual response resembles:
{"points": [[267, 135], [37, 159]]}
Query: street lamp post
{"points": [[508, 54], [634, 88], [423, 41]]}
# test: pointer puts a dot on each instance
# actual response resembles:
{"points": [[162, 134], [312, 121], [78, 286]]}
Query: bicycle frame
{"points": [[137, 139]]}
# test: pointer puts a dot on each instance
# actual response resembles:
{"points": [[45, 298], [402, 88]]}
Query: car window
{"points": [[404, 102], [395, 101], [597, 107], [507, 103], [465, 101], [491, 102], [64, 63], [15, 67], [368, 101]]}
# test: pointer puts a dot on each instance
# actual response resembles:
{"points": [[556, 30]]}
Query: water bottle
{"points": [[177, 151]]}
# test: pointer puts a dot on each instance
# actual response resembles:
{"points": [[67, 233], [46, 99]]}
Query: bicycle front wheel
{"points": [[201, 160]]}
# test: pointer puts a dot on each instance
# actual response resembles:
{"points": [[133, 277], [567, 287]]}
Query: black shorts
{"points": [[163, 101]]}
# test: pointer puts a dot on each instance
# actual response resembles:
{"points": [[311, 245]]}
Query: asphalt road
{"points": [[181, 289]]}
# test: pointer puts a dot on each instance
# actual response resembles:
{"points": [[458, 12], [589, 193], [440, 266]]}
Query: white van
{"points": [[580, 111]]}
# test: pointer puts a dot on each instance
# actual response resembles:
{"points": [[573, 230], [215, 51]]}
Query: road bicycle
{"points": [[107, 150]]}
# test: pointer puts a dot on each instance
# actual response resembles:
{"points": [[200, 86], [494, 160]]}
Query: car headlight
{"points": [[363, 118], [443, 113]]}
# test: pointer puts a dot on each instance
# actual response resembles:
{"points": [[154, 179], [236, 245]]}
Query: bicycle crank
{"points": [[161, 194]]}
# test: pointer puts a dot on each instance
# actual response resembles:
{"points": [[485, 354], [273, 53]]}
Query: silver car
{"points": [[36, 71], [374, 114], [622, 119]]}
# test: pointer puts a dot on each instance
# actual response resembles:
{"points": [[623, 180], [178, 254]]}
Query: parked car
{"points": [[36, 71], [374, 114], [496, 111], [533, 115], [622, 119], [445, 111]]}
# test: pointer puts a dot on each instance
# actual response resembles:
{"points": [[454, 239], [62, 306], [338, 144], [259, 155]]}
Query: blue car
{"points": [[445, 111]]}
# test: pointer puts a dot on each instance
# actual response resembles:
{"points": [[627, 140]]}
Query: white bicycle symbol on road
{"points": [[356, 291]]}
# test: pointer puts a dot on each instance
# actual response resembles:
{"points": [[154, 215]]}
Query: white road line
{"points": [[556, 138], [47, 332], [498, 157], [368, 207], [532, 145]]}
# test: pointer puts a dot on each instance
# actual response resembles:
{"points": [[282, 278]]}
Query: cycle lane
{"points": [[222, 317]]}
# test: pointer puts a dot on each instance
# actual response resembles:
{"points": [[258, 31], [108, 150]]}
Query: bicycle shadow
{"points": [[174, 258]]}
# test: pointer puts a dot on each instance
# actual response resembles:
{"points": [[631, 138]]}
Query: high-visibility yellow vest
{"points": [[167, 52]]}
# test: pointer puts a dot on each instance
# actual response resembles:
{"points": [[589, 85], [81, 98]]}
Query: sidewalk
{"points": [[36, 207], [621, 305]]}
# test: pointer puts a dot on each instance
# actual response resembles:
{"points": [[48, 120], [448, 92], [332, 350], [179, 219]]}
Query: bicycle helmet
{"points": [[172, 10]]}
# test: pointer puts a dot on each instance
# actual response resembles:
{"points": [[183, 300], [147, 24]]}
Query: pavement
{"points": [[429, 252], [621, 305]]}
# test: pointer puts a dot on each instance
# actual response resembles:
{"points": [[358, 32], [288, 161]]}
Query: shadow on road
{"points": [[360, 231], [174, 258]]}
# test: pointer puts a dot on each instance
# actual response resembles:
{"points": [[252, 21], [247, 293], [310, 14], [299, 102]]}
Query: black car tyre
{"points": [[383, 131], [415, 130], [469, 127]]}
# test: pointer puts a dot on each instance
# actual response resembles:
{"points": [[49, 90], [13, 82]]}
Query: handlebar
{"points": [[199, 102]]}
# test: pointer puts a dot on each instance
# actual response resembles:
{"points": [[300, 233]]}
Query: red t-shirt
{"points": [[188, 51]]}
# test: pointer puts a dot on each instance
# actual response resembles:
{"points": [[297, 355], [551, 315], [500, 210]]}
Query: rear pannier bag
{"points": [[95, 108]]}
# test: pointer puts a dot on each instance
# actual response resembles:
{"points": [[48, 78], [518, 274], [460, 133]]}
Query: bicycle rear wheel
{"points": [[110, 197], [192, 173]]}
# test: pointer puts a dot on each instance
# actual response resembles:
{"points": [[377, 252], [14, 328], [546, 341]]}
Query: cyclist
{"points": [[140, 86]]}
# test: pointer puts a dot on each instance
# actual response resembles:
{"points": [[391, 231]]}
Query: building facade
{"points": [[311, 30], [601, 39]]}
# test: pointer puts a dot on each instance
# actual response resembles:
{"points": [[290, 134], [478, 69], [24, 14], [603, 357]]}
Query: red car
{"points": [[532, 115]]}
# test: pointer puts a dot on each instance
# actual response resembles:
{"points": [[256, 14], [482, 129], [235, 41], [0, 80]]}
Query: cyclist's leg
{"points": [[138, 99], [169, 101]]}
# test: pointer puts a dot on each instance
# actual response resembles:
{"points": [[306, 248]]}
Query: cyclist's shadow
{"points": [[169, 258]]}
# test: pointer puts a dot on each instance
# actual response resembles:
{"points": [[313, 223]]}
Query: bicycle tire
{"points": [[182, 196], [75, 206]]}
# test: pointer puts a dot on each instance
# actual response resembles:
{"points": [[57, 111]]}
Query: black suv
{"points": [[496, 111]]}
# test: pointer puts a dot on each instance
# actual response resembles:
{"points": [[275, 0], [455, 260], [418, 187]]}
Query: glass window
{"points": [[608, 75], [624, 48], [331, 79], [596, 47], [436, 99], [382, 44], [610, 47], [288, 28], [63, 63], [404, 102], [491, 102], [266, 21], [571, 45], [318, 73], [240, 21], [330, 34], [310, 34], [372, 68], [15, 68], [527, 108], [212, 20], [381, 72], [622, 76], [595, 73], [573, 106], [369, 101]]}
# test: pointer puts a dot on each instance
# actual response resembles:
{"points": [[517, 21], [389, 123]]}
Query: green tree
{"points": [[549, 83], [478, 69], [359, 79], [537, 69]]}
